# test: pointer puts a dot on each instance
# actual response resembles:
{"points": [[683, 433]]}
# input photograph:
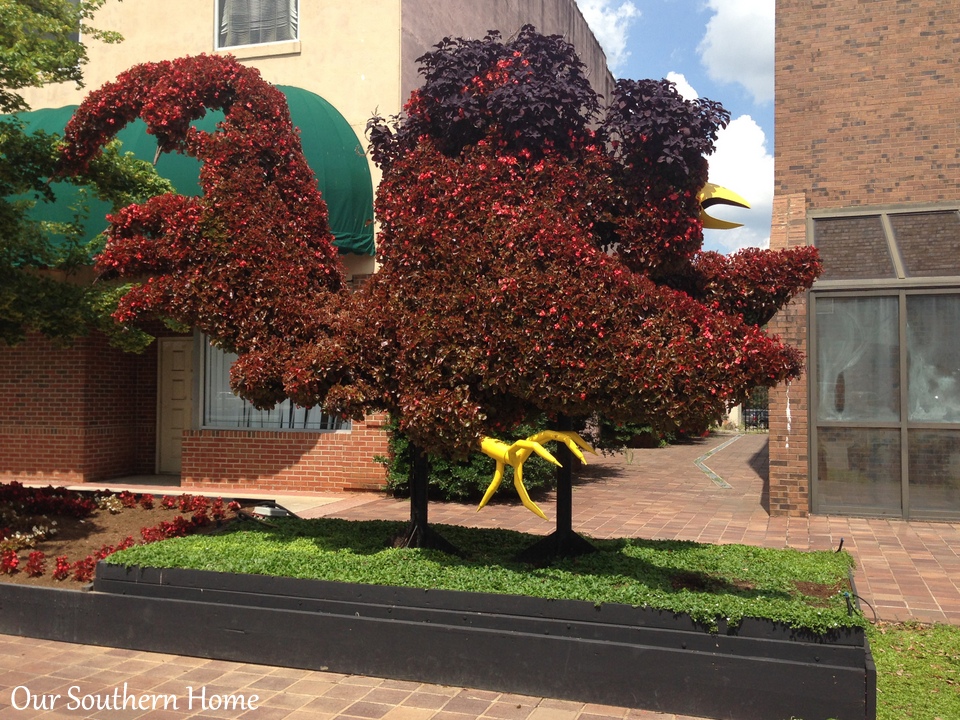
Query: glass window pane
{"points": [[934, 458], [858, 359], [853, 248], [929, 242], [933, 342], [223, 409], [858, 470]]}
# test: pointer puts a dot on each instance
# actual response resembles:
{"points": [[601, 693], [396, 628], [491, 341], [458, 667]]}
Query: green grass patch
{"points": [[804, 590], [918, 671]]}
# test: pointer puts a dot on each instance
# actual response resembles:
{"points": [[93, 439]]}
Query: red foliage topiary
{"points": [[520, 277], [250, 262], [529, 263]]}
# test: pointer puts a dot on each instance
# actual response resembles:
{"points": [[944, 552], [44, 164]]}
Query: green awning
{"points": [[329, 143]]}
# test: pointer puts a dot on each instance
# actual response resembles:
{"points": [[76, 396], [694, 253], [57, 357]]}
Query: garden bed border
{"points": [[609, 654]]}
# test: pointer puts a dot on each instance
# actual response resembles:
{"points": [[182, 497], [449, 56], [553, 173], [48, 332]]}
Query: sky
{"points": [[716, 49]]}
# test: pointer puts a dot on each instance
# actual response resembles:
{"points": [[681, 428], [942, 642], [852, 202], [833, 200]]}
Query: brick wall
{"points": [[87, 412], [868, 101], [867, 113], [286, 461], [789, 485], [78, 413]]}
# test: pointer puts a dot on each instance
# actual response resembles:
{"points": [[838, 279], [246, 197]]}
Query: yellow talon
{"points": [[516, 454]]}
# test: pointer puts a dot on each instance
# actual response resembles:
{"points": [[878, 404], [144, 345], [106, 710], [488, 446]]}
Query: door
{"points": [[175, 401]]}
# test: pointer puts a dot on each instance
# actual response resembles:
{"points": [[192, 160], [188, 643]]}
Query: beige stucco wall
{"points": [[361, 57], [348, 53]]}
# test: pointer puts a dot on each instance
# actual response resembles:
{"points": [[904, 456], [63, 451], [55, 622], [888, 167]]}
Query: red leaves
{"points": [[9, 562], [62, 569], [527, 265], [44, 501], [251, 261], [36, 564], [497, 299]]}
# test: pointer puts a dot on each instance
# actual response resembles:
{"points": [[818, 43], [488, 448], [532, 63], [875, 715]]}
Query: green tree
{"points": [[42, 284]]}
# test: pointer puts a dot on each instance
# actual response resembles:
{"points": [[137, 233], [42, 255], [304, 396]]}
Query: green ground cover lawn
{"points": [[918, 667], [918, 671], [806, 590]]}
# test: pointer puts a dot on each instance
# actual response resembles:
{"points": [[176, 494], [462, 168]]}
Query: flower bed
{"points": [[51, 535], [608, 652]]}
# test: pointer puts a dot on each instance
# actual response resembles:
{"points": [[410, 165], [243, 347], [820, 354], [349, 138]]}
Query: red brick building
{"points": [[868, 170]]}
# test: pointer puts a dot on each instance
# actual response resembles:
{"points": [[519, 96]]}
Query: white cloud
{"points": [[739, 43], [742, 163], [683, 87], [610, 23]]}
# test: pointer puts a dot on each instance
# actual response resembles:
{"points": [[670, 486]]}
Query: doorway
{"points": [[174, 401]]}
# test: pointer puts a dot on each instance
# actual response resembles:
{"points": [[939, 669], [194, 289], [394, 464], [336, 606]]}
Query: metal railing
{"points": [[756, 419]]}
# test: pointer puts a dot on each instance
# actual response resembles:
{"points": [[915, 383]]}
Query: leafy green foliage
{"points": [[614, 437], [42, 284], [918, 670], [465, 479], [38, 45], [709, 582]]}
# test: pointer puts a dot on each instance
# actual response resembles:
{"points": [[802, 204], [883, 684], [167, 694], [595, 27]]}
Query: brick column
{"points": [[789, 416]]}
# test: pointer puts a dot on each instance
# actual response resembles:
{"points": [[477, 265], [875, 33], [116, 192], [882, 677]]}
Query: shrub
{"points": [[62, 570], [467, 479], [611, 437], [128, 499]]}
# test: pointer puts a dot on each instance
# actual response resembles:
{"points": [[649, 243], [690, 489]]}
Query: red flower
{"points": [[9, 562]]}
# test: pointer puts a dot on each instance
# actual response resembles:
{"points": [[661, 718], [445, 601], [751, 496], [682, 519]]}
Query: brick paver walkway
{"points": [[905, 570], [33, 671]]}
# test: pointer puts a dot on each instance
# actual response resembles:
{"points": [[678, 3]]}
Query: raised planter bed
{"points": [[611, 654]]}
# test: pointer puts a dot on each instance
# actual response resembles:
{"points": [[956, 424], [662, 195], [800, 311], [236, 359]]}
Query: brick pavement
{"points": [[904, 570], [157, 686]]}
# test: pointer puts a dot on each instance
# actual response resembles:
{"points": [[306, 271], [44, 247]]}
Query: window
{"points": [[255, 22], [885, 364], [224, 410], [75, 36]]}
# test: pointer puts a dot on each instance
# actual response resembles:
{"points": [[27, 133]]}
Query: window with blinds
{"points": [[256, 22]]}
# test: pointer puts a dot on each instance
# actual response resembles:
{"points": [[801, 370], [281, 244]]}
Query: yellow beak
{"points": [[716, 195]]}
